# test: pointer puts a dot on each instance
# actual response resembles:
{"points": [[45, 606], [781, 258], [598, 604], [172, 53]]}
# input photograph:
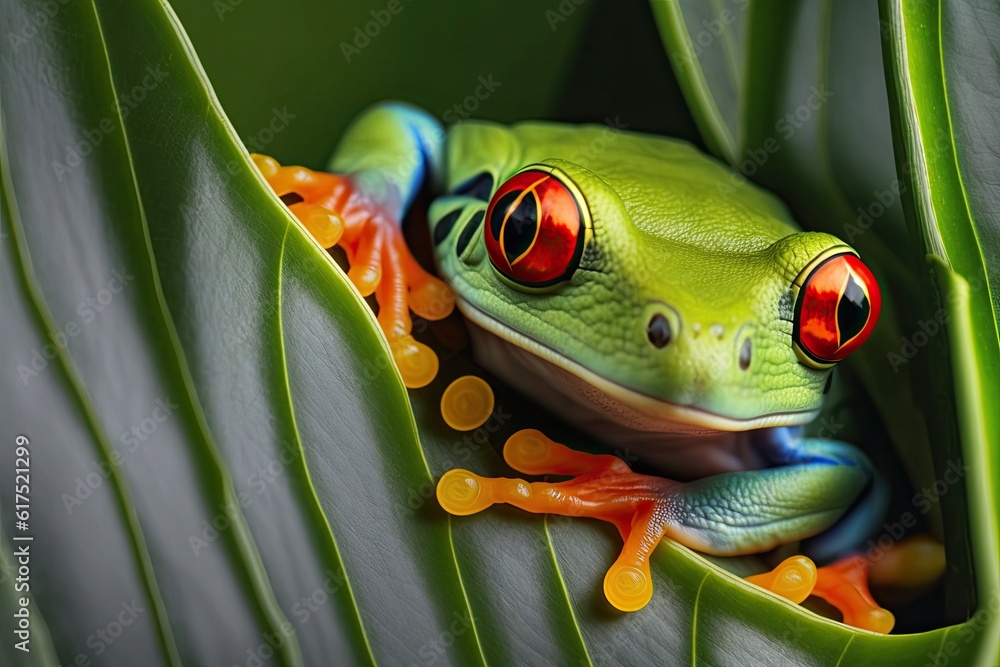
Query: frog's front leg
{"points": [[726, 514], [382, 161]]}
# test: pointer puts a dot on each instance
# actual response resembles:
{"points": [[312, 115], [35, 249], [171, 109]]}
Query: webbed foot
{"points": [[336, 211], [843, 584], [726, 514], [603, 487]]}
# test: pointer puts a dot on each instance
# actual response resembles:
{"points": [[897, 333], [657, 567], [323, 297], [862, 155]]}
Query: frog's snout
{"points": [[711, 341], [721, 352], [703, 355]]}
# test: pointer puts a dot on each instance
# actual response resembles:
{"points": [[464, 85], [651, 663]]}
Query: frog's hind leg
{"points": [[639, 519], [591, 493], [781, 448], [844, 583], [727, 514], [603, 487]]}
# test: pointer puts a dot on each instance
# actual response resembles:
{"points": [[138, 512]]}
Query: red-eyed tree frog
{"points": [[615, 283]]}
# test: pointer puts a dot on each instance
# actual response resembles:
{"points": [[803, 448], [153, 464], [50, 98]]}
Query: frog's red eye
{"points": [[534, 229], [837, 308]]}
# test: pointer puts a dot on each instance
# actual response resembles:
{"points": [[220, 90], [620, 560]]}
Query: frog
{"points": [[608, 277]]}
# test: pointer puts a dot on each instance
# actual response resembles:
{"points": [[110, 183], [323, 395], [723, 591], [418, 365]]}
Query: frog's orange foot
{"points": [[603, 487], [336, 212], [844, 584]]}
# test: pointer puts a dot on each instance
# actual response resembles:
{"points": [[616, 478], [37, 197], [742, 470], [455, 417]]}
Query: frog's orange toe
{"points": [[366, 261], [628, 587], [793, 579], [467, 403], [603, 488], [461, 492], [430, 297], [323, 224], [266, 165], [417, 363], [532, 452], [844, 584], [915, 562]]}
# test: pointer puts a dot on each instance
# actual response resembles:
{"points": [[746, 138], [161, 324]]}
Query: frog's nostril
{"points": [[659, 331], [745, 354]]}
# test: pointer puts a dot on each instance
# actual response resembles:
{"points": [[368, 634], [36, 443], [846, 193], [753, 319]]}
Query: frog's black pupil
{"points": [[852, 311], [745, 354], [500, 213], [479, 186], [291, 198], [658, 331], [522, 223]]}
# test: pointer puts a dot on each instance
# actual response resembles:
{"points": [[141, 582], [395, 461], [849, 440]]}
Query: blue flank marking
{"points": [[779, 446]]}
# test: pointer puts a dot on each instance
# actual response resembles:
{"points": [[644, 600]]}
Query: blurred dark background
{"points": [[550, 60]]}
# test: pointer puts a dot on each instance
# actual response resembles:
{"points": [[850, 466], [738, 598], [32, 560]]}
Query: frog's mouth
{"points": [[590, 400]]}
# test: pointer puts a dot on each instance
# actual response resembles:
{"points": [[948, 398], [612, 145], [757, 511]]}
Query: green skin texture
{"points": [[682, 250], [670, 235]]}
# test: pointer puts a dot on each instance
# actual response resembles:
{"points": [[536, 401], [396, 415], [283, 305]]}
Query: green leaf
{"points": [[945, 123], [214, 350]]}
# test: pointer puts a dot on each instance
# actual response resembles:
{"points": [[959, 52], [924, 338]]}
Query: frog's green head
{"points": [[643, 274]]}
